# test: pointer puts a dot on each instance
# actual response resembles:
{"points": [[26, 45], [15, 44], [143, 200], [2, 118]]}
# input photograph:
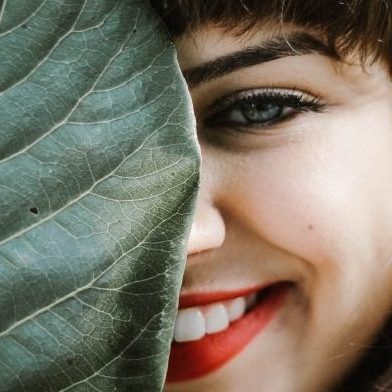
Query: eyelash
{"points": [[290, 102]]}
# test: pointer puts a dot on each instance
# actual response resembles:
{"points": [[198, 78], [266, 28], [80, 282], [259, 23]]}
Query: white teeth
{"points": [[217, 318], [236, 308], [194, 323], [190, 325]]}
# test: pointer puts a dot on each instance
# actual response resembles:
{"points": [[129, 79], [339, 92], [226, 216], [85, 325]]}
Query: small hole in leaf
{"points": [[34, 210]]}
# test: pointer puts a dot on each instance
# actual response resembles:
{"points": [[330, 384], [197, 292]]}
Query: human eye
{"points": [[259, 109]]}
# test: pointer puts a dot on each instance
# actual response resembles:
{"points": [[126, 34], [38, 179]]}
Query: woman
{"points": [[293, 102]]}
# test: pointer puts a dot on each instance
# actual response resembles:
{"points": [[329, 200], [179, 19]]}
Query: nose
{"points": [[208, 228]]}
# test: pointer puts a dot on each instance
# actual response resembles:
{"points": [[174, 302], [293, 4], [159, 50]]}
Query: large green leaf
{"points": [[98, 173]]}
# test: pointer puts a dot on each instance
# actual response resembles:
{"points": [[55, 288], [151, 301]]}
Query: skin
{"points": [[307, 200]]}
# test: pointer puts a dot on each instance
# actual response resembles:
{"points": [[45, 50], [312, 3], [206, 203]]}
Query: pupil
{"points": [[259, 112]]}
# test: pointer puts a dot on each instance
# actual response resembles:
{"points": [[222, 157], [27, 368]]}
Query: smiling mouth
{"points": [[209, 335]]}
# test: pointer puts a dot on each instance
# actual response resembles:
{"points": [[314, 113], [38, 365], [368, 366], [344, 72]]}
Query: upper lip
{"points": [[204, 298]]}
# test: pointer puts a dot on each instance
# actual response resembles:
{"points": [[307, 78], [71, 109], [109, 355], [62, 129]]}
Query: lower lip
{"points": [[196, 359]]}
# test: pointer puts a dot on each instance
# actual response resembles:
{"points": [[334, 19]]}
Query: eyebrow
{"points": [[293, 44]]}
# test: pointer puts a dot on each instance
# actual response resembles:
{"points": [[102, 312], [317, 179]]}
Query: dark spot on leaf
{"points": [[34, 210], [310, 226], [70, 360], [24, 26], [134, 30]]}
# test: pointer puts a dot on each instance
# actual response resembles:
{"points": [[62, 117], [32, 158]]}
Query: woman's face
{"points": [[296, 186]]}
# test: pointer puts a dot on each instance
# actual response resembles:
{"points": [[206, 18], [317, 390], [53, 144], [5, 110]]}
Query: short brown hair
{"points": [[364, 26]]}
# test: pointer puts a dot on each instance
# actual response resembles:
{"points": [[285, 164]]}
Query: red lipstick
{"points": [[199, 299], [195, 359]]}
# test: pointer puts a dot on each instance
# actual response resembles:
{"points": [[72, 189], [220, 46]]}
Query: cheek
{"points": [[323, 197], [327, 200]]}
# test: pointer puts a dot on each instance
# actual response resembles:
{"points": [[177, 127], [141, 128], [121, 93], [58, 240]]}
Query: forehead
{"points": [[212, 51], [350, 24], [211, 41]]}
